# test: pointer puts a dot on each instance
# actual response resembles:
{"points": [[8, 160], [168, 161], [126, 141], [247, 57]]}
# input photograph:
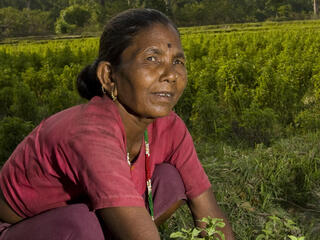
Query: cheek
{"points": [[144, 80], [184, 80]]}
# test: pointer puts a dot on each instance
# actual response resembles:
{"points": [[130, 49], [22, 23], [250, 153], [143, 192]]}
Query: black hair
{"points": [[116, 37]]}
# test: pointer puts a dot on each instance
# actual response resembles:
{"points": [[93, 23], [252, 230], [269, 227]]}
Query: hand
{"points": [[206, 205]]}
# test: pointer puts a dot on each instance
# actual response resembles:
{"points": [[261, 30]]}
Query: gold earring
{"points": [[103, 90], [114, 98]]}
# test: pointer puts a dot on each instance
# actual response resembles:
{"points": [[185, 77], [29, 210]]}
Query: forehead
{"points": [[156, 36], [158, 32]]}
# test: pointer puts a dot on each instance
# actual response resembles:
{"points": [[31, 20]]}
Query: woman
{"points": [[101, 169]]}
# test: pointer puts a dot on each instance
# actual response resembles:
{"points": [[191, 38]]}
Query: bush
{"points": [[25, 22], [308, 120], [24, 104], [72, 19], [12, 132], [257, 126]]}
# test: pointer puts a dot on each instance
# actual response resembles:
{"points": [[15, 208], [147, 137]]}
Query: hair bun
{"points": [[88, 84]]}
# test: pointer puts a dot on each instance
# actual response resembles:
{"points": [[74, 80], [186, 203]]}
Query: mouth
{"points": [[164, 96]]}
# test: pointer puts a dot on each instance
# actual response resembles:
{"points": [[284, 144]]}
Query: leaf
{"points": [[275, 218], [221, 235], [205, 220], [195, 232], [292, 237], [247, 206], [177, 235], [261, 237], [220, 224]]}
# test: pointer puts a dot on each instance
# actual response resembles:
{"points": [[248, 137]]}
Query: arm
{"points": [[129, 223], [206, 205]]}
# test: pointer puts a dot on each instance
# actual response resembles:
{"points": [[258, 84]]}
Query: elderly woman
{"points": [[108, 168]]}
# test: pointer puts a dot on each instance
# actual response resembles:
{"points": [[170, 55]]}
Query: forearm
{"points": [[129, 223], [205, 205]]}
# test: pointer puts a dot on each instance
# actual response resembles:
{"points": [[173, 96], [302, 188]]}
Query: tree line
{"points": [[43, 17]]}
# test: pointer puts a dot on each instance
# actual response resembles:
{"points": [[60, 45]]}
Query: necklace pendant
{"points": [[147, 149], [149, 186], [128, 159]]}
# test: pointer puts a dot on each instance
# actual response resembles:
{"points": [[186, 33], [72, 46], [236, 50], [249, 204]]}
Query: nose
{"points": [[169, 74]]}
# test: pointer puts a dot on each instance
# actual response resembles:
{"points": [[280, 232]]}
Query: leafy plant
{"points": [[211, 231], [277, 228]]}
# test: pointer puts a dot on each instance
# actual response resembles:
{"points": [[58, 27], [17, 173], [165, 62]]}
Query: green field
{"points": [[252, 106]]}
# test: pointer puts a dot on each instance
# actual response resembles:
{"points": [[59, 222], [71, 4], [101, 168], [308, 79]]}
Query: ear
{"points": [[104, 75]]}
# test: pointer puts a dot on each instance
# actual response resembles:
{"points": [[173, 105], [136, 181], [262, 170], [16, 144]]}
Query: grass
{"points": [[252, 185]]}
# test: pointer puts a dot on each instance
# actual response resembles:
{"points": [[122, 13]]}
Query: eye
{"points": [[178, 61], [152, 58]]}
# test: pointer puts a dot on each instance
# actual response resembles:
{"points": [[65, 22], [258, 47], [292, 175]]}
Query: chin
{"points": [[161, 114]]}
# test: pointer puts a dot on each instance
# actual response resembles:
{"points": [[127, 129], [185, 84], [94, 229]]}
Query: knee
{"points": [[168, 182], [167, 175], [168, 191], [80, 223]]}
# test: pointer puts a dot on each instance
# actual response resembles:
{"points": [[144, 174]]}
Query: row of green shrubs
{"points": [[246, 88], [252, 87]]}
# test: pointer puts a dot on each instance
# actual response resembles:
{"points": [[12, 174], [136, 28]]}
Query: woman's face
{"points": [[152, 74]]}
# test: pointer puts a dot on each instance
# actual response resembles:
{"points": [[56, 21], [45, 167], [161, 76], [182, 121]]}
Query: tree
{"points": [[72, 18], [24, 22], [315, 7]]}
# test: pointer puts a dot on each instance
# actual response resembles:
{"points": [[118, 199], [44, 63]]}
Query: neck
{"points": [[134, 127]]}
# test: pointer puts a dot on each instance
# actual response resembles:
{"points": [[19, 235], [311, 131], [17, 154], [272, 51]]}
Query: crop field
{"points": [[251, 105]]}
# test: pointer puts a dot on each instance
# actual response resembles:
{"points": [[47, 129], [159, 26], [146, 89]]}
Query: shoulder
{"points": [[168, 132], [170, 124], [97, 118]]}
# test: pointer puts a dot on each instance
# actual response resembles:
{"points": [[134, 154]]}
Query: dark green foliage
{"points": [[250, 87], [308, 120], [12, 131], [24, 103], [36, 81], [72, 19], [256, 125], [6, 99], [26, 22], [40, 17]]}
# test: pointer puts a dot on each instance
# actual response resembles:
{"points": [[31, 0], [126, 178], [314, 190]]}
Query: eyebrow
{"points": [[153, 50], [157, 51]]}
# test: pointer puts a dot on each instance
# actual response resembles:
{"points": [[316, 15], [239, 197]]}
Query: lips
{"points": [[164, 96]]}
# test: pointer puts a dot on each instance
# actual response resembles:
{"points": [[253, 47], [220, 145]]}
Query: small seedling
{"points": [[212, 233]]}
